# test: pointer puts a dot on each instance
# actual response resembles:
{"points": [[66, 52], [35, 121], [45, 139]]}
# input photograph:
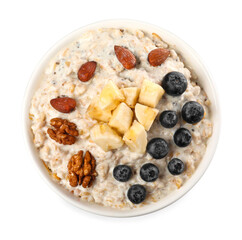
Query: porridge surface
{"points": [[60, 79]]}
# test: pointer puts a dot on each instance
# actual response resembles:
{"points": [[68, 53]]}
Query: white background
{"points": [[30, 210]]}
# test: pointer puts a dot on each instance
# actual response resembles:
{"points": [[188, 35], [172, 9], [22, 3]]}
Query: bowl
{"points": [[191, 59]]}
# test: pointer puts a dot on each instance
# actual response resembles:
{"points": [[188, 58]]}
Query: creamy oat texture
{"points": [[60, 78]]}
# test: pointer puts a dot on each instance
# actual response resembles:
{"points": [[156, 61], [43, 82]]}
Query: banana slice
{"points": [[150, 93], [105, 137], [136, 138], [131, 95], [145, 115], [94, 111], [121, 118], [110, 96]]}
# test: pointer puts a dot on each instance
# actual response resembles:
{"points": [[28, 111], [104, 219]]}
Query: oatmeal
{"points": [[119, 120]]}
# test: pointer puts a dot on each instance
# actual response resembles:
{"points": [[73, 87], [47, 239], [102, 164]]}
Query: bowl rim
{"points": [[94, 208]]}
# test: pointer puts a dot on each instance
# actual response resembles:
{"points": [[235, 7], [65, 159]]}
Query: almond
{"points": [[63, 104], [86, 71], [125, 57], [157, 56]]}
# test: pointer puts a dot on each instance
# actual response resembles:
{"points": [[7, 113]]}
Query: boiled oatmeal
{"points": [[118, 120]]}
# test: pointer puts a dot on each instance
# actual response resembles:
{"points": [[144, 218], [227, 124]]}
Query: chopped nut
{"points": [[64, 132]]}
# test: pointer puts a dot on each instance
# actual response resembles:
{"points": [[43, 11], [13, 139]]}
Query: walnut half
{"points": [[65, 132], [82, 171]]}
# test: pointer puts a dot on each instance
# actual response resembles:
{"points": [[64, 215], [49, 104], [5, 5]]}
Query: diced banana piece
{"points": [[136, 138], [94, 111], [150, 93], [121, 118], [145, 115], [131, 95], [105, 137], [110, 96]]}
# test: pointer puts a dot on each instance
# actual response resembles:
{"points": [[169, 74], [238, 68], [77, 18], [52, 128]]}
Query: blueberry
{"points": [[174, 83], [122, 173], [168, 119], [182, 137], [157, 148], [149, 172], [176, 166], [136, 193], [192, 112]]}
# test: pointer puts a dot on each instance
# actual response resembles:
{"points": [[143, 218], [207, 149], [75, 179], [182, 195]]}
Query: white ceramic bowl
{"points": [[191, 59]]}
